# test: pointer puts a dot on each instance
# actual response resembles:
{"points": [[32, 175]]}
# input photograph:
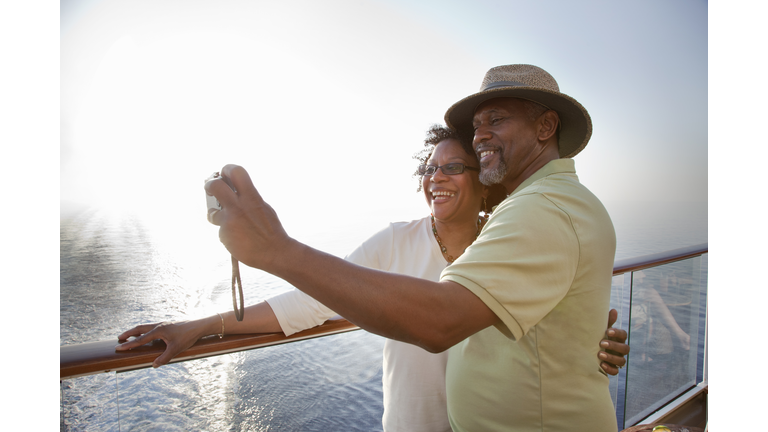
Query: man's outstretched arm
{"points": [[432, 315]]}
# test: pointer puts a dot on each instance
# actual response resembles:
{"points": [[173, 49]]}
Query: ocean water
{"points": [[121, 268]]}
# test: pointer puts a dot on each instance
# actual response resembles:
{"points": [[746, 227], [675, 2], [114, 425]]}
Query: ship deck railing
{"points": [[664, 380]]}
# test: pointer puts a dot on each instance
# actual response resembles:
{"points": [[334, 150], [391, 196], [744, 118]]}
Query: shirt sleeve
{"points": [[522, 264], [297, 311]]}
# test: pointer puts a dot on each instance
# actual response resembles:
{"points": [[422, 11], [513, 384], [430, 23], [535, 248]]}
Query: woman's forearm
{"points": [[258, 318]]}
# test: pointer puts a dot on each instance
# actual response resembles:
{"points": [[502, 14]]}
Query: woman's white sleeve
{"points": [[297, 311]]}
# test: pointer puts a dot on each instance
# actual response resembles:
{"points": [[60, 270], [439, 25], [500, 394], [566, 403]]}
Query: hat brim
{"points": [[575, 122]]}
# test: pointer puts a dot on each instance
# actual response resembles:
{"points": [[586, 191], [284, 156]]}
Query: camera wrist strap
{"points": [[236, 278]]}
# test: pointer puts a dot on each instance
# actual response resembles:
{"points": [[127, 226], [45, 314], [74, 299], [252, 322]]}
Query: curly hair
{"points": [[435, 135]]}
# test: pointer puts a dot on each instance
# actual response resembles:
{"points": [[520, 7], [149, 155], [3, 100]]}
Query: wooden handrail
{"points": [[657, 259], [98, 357]]}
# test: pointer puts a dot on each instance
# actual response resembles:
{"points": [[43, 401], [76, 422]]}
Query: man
{"points": [[551, 236], [522, 303]]}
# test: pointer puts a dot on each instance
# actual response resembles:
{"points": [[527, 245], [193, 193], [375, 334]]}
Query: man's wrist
{"points": [[285, 258]]}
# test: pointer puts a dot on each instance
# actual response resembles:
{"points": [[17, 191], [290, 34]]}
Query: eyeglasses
{"points": [[447, 169]]}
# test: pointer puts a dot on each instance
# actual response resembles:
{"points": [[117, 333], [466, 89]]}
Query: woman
{"points": [[413, 379]]}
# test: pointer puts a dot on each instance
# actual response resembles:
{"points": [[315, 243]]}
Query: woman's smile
{"points": [[455, 197], [439, 195]]}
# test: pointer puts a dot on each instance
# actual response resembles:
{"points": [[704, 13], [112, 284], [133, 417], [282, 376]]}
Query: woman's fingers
{"points": [[138, 330], [143, 334], [176, 336], [170, 352]]}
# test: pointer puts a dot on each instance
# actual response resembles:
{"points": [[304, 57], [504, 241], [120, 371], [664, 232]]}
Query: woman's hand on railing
{"points": [[614, 351], [178, 336]]}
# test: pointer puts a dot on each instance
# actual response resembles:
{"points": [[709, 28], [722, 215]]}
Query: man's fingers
{"points": [[611, 359], [214, 216], [610, 370], [240, 179], [617, 335], [249, 227], [228, 199], [221, 190], [616, 347]]}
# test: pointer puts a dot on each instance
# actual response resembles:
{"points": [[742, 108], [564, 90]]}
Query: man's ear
{"points": [[548, 122]]}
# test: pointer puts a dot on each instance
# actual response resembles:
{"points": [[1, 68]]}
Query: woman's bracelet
{"points": [[221, 335]]}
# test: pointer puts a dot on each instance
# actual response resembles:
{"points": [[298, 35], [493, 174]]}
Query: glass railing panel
{"points": [[702, 342], [617, 290], [620, 302], [89, 403], [665, 328], [330, 383]]}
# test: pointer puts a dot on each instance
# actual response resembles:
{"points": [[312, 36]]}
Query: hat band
{"points": [[498, 84], [501, 84]]}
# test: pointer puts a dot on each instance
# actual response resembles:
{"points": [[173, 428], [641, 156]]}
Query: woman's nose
{"points": [[438, 176]]}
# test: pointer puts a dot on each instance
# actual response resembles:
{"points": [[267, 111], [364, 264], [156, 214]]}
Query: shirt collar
{"points": [[564, 165]]}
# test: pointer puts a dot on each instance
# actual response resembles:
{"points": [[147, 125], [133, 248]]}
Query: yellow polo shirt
{"points": [[543, 264]]}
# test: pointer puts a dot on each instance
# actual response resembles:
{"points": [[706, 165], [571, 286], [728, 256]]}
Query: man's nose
{"points": [[481, 134]]}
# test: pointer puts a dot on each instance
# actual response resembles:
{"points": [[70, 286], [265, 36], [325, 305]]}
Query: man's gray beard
{"points": [[490, 177]]}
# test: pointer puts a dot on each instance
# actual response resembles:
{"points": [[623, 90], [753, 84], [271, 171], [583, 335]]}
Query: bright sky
{"points": [[325, 102]]}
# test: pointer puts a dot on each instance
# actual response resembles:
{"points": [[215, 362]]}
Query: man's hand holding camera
{"points": [[248, 227]]}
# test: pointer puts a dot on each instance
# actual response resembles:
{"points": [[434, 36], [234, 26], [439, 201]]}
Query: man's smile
{"points": [[485, 152]]}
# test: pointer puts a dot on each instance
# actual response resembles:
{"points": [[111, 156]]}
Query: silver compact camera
{"points": [[237, 284], [213, 203]]}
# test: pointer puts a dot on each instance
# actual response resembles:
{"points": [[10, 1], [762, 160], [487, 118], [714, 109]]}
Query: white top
{"points": [[413, 379]]}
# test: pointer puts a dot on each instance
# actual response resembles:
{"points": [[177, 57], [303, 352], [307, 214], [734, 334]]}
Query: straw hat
{"points": [[534, 84]]}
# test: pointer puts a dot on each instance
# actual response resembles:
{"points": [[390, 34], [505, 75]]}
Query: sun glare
{"points": [[165, 105]]}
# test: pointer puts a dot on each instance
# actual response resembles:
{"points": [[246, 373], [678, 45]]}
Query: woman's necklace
{"points": [[443, 249]]}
